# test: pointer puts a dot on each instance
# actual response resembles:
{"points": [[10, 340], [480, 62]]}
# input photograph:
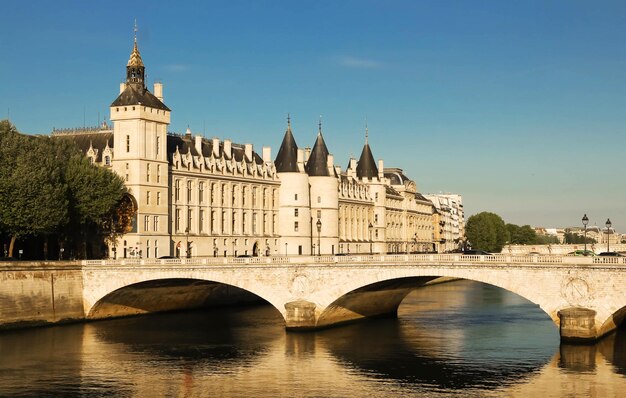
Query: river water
{"points": [[455, 339]]}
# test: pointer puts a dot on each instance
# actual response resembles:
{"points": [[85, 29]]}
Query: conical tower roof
{"points": [[317, 165], [287, 158], [366, 166], [135, 57]]}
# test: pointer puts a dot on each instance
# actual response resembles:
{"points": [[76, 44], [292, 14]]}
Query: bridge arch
{"points": [[616, 319], [168, 293], [380, 295]]}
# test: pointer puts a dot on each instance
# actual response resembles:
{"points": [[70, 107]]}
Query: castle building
{"points": [[209, 197]]}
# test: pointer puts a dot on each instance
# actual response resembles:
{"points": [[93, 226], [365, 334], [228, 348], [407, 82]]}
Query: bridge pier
{"points": [[300, 315], [578, 325]]}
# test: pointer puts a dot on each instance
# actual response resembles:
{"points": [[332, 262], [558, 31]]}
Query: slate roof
{"points": [[366, 166], [287, 158], [83, 141], [396, 176], [317, 164], [186, 143], [135, 94]]}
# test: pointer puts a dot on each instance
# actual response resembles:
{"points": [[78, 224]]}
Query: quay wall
{"points": [[39, 293]]}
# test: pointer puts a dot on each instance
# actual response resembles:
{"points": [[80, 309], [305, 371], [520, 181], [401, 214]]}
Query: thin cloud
{"points": [[361, 63]]}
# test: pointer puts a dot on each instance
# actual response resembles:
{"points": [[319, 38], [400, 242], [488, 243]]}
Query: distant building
{"points": [[451, 221], [209, 197]]}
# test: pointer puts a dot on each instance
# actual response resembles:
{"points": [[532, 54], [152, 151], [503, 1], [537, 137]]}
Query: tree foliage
{"points": [[524, 235], [571, 237], [486, 231], [47, 187]]}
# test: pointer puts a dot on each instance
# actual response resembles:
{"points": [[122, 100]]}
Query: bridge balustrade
{"points": [[389, 259]]}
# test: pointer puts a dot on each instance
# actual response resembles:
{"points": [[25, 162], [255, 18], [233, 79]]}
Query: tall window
{"points": [[146, 223], [158, 172], [158, 199], [188, 191], [223, 222], [158, 144], [177, 220], [243, 223], [107, 160], [254, 197], [148, 198], [189, 217], [148, 173], [295, 226], [212, 226], [200, 192], [295, 212], [201, 222], [127, 143], [177, 190], [254, 223], [155, 224]]}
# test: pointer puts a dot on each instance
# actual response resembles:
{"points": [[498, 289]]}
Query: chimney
{"points": [[381, 171], [122, 87], [267, 154], [330, 160], [307, 153], [158, 90], [198, 140], [248, 151], [216, 147], [228, 150], [300, 155]]}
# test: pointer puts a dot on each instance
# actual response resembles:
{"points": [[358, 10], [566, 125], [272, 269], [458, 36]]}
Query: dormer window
{"points": [[107, 160]]}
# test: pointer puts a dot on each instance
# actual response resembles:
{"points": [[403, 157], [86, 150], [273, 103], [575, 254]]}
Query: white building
{"points": [[209, 197]]}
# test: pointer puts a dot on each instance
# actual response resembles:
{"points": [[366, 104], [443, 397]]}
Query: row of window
{"points": [[240, 223], [219, 194]]}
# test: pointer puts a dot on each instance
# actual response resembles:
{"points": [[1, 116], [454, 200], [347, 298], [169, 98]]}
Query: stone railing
{"points": [[382, 259]]}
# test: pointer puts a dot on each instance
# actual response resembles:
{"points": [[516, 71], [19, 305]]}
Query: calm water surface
{"points": [[455, 339]]}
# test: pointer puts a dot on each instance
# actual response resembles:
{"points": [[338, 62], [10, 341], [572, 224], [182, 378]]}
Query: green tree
{"points": [[32, 193], [486, 231], [48, 187], [524, 235]]}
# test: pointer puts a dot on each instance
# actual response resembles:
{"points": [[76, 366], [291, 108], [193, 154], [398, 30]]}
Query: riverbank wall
{"points": [[40, 293]]}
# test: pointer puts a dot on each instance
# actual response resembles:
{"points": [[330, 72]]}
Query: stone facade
{"points": [[199, 197]]}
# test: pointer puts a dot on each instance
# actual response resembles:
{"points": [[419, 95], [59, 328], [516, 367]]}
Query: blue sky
{"points": [[520, 106]]}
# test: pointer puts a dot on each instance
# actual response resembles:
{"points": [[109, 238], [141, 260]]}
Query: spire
{"points": [[135, 69], [287, 158], [134, 90], [366, 166], [317, 165]]}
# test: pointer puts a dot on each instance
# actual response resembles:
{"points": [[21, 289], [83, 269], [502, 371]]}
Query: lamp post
{"points": [[608, 230], [370, 227], [585, 222], [319, 231], [187, 242]]}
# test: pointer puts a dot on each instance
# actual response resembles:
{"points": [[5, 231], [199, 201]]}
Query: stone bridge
{"points": [[584, 296]]}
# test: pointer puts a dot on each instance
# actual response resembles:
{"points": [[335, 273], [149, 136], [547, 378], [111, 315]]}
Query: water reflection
{"points": [[462, 339]]}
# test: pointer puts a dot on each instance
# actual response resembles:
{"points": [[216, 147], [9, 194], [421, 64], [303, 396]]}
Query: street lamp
{"points": [[319, 231], [585, 222], [370, 227], [187, 242], [608, 230]]}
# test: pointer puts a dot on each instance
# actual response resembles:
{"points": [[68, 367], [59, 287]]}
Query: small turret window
{"points": [[107, 160]]}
